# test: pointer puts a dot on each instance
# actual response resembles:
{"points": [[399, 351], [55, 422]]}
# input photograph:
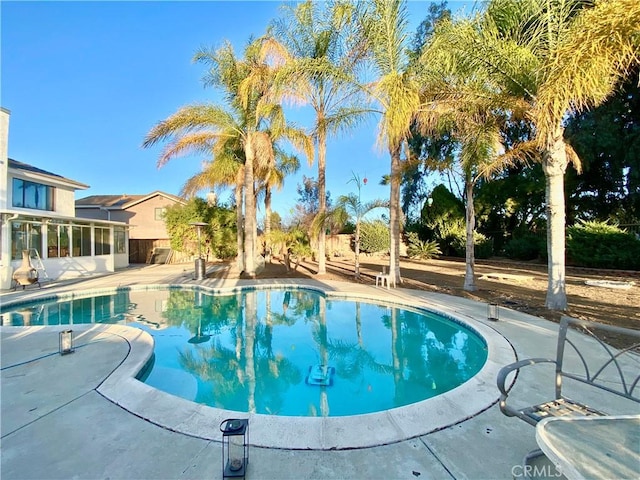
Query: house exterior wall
{"points": [[4, 155], [92, 213], [142, 219], [64, 202], [5, 246], [28, 228]]}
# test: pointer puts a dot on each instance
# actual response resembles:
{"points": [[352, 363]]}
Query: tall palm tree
{"points": [[248, 122], [397, 94], [322, 52], [208, 129], [525, 46], [465, 103], [595, 56], [272, 176]]}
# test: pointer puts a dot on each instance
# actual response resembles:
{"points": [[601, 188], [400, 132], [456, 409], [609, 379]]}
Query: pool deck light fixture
{"points": [[65, 342], [235, 447], [493, 312]]}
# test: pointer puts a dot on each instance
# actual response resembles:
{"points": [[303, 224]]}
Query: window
{"points": [[24, 236], [119, 240], [28, 194], [102, 241], [58, 241], [81, 241], [159, 212]]}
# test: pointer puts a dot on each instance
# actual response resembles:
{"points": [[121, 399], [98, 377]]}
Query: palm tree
{"points": [[249, 123], [396, 92], [595, 56], [272, 176], [321, 52], [209, 129], [350, 207], [527, 47], [462, 101]]}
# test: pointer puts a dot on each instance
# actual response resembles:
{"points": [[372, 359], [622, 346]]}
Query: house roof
{"points": [[121, 202], [30, 169]]}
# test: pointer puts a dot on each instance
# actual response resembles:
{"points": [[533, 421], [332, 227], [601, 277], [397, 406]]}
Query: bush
{"points": [[601, 245], [374, 237], [527, 247], [424, 250], [452, 238], [218, 237]]}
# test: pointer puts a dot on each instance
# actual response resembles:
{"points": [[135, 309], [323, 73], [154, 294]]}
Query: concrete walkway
{"points": [[60, 417]]}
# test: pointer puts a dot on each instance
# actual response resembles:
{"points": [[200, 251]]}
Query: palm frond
{"points": [[600, 49], [196, 142], [188, 119]]}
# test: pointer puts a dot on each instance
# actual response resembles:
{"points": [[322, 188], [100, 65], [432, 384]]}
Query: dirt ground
{"points": [[519, 286]]}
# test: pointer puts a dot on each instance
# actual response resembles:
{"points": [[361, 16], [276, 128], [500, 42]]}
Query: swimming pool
{"points": [[286, 352]]}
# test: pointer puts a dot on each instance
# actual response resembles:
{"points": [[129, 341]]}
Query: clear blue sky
{"points": [[85, 81]]}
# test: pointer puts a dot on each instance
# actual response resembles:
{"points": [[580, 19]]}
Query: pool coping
{"points": [[312, 433]]}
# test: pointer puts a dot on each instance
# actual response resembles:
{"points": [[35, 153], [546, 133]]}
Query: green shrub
{"points": [[483, 246], [218, 237], [424, 250], [527, 247], [447, 233], [452, 237], [601, 245], [374, 237]]}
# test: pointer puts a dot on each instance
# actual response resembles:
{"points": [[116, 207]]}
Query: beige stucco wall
{"points": [[141, 219], [64, 202]]}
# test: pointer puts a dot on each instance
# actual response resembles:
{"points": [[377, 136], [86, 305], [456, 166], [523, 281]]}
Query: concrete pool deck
{"points": [[84, 416]]}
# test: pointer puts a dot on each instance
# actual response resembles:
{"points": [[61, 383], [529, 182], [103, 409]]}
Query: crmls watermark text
{"points": [[535, 471]]}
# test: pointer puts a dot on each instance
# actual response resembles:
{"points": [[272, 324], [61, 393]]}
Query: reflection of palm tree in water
{"points": [[324, 356], [250, 337], [247, 371], [431, 354]]}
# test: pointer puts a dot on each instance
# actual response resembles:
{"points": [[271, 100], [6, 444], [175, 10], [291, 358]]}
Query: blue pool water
{"points": [[282, 352]]}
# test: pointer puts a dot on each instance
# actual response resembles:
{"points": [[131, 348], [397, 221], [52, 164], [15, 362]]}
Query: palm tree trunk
{"points": [[240, 228], [267, 224], [251, 314], [554, 165], [469, 275], [357, 249], [249, 209], [322, 200], [394, 217]]}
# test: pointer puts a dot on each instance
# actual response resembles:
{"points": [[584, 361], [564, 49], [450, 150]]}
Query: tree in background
{"points": [[395, 92], [351, 208], [308, 204], [272, 176], [321, 47], [607, 140], [258, 124], [466, 103], [557, 56], [217, 237]]}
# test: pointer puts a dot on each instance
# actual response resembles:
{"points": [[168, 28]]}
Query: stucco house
{"points": [[142, 213], [37, 214]]}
